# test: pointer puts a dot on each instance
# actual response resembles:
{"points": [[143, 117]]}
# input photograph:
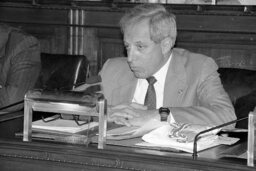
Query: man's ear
{"points": [[166, 45]]}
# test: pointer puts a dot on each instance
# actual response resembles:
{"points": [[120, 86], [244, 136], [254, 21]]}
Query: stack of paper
{"points": [[157, 134], [61, 125], [161, 137]]}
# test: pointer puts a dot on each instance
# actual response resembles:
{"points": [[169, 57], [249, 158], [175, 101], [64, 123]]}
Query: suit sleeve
{"points": [[213, 105], [22, 68]]}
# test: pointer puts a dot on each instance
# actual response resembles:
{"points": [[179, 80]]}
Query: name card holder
{"points": [[73, 103]]}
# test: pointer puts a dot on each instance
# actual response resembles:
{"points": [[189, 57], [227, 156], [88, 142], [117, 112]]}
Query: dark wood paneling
{"points": [[229, 38], [33, 15], [226, 33], [228, 49], [49, 25], [217, 23]]}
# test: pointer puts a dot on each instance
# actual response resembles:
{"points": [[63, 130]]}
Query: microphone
{"points": [[92, 84], [211, 129], [89, 81], [93, 79]]}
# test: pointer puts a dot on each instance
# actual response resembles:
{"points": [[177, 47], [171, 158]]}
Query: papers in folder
{"points": [[157, 134], [61, 125], [160, 137]]}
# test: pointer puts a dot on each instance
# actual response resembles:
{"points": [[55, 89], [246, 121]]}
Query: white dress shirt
{"points": [[142, 86]]}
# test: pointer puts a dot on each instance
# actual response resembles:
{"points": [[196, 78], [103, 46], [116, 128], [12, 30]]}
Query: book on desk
{"points": [[62, 125], [62, 130]]}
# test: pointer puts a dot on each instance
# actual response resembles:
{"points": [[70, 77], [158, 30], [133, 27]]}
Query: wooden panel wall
{"points": [[48, 25], [230, 39], [226, 33]]}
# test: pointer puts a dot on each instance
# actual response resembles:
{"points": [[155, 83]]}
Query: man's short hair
{"points": [[162, 23]]}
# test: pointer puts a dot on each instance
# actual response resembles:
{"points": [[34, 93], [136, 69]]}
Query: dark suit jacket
{"points": [[193, 88], [19, 64]]}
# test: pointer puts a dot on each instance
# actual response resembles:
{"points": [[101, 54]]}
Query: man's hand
{"points": [[131, 114]]}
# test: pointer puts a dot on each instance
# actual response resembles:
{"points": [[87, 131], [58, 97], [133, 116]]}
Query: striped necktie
{"points": [[150, 99]]}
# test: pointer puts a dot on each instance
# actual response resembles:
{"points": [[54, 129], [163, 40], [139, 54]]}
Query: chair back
{"points": [[62, 71], [240, 84]]}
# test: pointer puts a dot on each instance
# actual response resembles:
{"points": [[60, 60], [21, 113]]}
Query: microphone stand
{"points": [[211, 129]]}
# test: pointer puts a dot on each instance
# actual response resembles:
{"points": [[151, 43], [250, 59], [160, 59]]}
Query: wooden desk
{"points": [[39, 155], [42, 155]]}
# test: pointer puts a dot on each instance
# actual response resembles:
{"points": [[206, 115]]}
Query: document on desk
{"points": [[164, 137], [125, 132], [62, 125]]}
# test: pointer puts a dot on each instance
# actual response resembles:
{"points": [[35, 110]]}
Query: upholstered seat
{"points": [[240, 84]]}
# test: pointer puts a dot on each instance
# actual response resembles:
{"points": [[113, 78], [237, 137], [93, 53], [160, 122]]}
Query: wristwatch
{"points": [[164, 113]]}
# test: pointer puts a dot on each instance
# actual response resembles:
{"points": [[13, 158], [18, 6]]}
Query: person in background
{"points": [[19, 65]]}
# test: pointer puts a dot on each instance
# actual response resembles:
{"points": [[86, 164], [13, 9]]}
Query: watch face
{"points": [[164, 112]]}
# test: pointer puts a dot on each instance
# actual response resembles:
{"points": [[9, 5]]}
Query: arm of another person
{"points": [[21, 69]]}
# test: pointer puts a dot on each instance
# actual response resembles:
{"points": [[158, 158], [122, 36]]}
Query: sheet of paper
{"points": [[62, 125]]}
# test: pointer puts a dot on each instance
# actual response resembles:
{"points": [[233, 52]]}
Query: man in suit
{"points": [[19, 65], [187, 83]]}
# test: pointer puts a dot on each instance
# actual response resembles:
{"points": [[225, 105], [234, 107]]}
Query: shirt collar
{"points": [[161, 73]]}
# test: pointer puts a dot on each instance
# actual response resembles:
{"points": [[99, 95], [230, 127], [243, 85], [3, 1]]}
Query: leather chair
{"points": [[240, 84], [62, 72], [58, 72]]}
